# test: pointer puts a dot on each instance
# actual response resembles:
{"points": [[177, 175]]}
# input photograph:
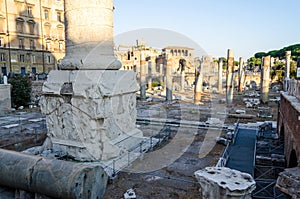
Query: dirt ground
{"points": [[175, 180]]}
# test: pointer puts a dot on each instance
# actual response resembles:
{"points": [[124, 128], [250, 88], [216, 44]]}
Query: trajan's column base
{"points": [[91, 114]]}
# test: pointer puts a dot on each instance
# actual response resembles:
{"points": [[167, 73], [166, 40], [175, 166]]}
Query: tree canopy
{"points": [[295, 49]]}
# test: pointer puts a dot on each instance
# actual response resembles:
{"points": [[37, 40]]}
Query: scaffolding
{"points": [[269, 163]]}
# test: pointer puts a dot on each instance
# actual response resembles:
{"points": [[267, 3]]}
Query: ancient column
{"points": [[182, 81], [142, 76], [265, 79], [198, 85], [241, 63], [150, 73], [169, 79], [287, 69], [220, 75], [161, 73], [298, 69], [91, 112], [229, 77], [51, 177], [89, 35]]}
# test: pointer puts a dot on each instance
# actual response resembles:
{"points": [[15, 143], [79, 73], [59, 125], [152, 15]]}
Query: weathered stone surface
{"points": [[94, 121], [220, 75], [229, 76], [224, 183], [5, 99], [289, 182], [265, 79], [89, 35], [50, 177]]}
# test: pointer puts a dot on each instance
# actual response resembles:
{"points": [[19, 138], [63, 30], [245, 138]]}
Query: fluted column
{"points": [[89, 35]]}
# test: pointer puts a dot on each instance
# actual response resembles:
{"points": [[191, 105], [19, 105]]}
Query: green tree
{"points": [[21, 90], [260, 54], [254, 61]]}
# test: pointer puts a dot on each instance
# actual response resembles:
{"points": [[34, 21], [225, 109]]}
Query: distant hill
{"points": [[295, 49]]}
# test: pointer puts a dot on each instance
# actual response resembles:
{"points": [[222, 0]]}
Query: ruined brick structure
{"points": [[289, 122]]}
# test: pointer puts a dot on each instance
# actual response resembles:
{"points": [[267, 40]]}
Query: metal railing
{"points": [[113, 167], [225, 155]]}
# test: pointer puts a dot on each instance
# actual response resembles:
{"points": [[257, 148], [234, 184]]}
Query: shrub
{"points": [[21, 90]]}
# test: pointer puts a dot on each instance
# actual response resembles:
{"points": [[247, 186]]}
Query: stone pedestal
{"points": [[225, 183], [91, 115], [289, 182], [5, 98]]}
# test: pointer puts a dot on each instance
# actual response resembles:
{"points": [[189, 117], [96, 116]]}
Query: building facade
{"points": [[32, 38]]}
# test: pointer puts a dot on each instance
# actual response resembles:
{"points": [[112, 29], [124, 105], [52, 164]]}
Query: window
{"points": [[22, 58], [58, 14], [60, 31], [48, 45], [60, 46], [20, 23], [1, 41], [33, 70], [49, 59], [2, 57], [32, 46], [46, 14], [29, 11], [47, 29], [4, 70], [21, 43], [23, 71], [1, 24], [31, 24], [33, 59]]}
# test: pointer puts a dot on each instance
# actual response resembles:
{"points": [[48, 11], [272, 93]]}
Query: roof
{"points": [[178, 47]]}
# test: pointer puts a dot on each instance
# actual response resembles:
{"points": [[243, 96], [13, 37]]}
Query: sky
{"points": [[245, 26]]}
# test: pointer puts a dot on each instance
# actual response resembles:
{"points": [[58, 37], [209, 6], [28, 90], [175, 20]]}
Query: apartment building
{"points": [[31, 35]]}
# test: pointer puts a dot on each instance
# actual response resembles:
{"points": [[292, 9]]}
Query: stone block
{"points": [[5, 98], [224, 183], [289, 182], [87, 112]]}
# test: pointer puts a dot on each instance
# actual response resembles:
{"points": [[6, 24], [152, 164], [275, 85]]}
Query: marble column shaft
{"points": [[265, 79], [287, 64], [143, 76], [241, 63], [150, 73], [89, 35], [229, 76], [220, 75], [198, 87], [287, 70], [169, 80]]}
